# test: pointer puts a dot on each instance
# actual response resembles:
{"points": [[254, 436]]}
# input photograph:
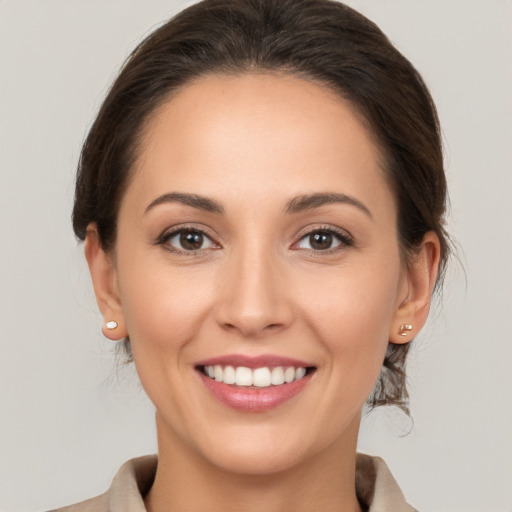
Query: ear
{"points": [[104, 279], [421, 273]]}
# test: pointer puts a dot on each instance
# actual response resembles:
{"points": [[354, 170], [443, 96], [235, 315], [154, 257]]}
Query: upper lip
{"points": [[264, 360]]}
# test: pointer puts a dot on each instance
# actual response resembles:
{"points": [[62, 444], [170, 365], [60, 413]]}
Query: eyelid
{"points": [[345, 238], [172, 231]]}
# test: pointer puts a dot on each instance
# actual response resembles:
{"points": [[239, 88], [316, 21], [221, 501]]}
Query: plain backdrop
{"points": [[68, 419]]}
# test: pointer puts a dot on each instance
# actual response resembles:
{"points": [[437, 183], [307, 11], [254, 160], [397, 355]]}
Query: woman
{"points": [[261, 198]]}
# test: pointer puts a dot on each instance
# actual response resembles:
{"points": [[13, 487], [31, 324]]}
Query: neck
{"points": [[187, 482]]}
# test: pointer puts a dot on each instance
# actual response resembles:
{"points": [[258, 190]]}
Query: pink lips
{"points": [[254, 362], [253, 399]]}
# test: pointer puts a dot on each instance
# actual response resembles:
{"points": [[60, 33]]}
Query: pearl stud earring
{"points": [[405, 329], [112, 324]]}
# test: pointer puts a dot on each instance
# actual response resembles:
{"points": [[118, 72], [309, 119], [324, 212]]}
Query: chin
{"points": [[256, 459], [270, 449]]}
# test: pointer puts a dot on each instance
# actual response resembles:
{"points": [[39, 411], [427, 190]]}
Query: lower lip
{"points": [[251, 399]]}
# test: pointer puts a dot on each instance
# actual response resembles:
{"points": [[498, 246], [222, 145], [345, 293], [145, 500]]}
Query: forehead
{"points": [[246, 135]]}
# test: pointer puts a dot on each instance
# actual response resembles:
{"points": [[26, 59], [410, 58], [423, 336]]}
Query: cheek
{"points": [[164, 312], [351, 312], [164, 309]]}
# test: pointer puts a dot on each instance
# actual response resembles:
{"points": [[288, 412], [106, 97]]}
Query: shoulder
{"points": [[127, 491], [376, 486], [98, 504]]}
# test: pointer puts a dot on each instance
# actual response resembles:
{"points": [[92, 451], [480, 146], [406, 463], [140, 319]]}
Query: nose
{"points": [[253, 296]]}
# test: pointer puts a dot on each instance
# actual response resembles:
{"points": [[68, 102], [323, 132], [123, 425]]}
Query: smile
{"points": [[258, 377], [254, 384]]}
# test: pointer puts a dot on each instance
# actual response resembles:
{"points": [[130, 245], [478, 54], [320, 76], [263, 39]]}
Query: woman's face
{"points": [[258, 234]]}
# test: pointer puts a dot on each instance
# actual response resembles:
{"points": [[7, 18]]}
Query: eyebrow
{"points": [[311, 201], [194, 200], [296, 205]]}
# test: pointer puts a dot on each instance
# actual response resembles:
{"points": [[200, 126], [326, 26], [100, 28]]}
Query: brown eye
{"points": [[322, 240], [189, 240]]}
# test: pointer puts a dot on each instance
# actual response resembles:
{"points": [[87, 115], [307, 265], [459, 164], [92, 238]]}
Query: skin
{"points": [[253, 143]]}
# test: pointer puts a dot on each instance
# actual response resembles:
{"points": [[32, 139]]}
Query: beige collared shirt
{"points": [[375, 485]]}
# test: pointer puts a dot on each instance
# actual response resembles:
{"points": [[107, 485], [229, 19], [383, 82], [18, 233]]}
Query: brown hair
{"points": [[322, 40]]}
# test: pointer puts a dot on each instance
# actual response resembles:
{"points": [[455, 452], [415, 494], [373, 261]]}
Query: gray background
{"points": [[68, 420]]}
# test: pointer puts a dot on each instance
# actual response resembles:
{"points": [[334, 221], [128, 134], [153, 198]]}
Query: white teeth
{"points": [[289, 374], [243, 376], [299, 373], [229, 375], [259, 377], [278, 376]]}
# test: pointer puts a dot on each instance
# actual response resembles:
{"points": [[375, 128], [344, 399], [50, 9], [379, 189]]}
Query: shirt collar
{"points": [[375, 486]]}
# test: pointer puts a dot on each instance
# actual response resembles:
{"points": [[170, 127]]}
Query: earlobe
{"points": [[422, 270], [104, 279]]}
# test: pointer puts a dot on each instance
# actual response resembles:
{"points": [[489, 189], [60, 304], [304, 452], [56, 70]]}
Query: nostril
{"points": [[248, 328], [251, 317]]}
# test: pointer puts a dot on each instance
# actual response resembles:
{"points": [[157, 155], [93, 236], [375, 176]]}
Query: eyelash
{"points": [[168, 235], [345, 240]]}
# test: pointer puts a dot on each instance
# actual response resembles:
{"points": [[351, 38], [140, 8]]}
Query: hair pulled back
{"points": [[319, 40]]}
